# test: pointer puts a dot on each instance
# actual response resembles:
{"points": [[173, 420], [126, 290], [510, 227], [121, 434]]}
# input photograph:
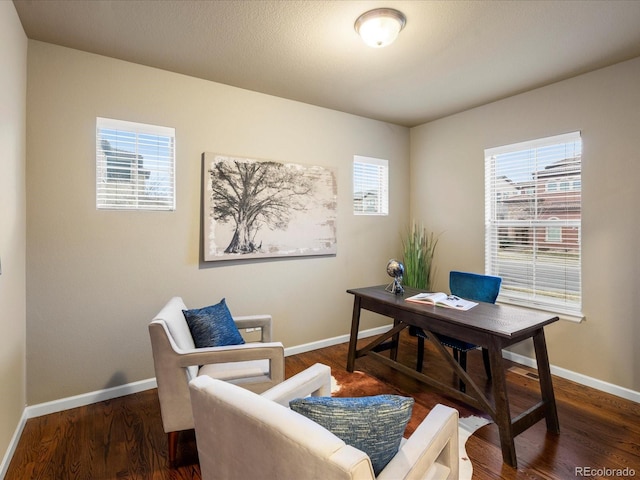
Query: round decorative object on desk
{"points": [[395, 269]]}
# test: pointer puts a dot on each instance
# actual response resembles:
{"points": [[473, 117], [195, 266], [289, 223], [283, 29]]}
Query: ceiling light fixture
{"points": [[380, 27]]}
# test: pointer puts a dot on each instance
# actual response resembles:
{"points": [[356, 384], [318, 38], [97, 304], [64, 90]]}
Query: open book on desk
{"points": [[442, 300]]}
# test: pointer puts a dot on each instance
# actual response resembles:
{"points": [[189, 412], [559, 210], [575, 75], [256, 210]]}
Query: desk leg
{"points": [[353, 339], [546, 385], [396, 343], [503, 412]]}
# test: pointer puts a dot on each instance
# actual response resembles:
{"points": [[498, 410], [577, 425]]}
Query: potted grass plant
{"points": [[419, 247]]}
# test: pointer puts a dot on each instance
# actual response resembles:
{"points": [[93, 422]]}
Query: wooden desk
{"points": [[493, 327]]}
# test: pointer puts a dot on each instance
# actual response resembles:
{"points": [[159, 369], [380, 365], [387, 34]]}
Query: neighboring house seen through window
{"points": [[135, 166], [533, 222], [370, 186]]}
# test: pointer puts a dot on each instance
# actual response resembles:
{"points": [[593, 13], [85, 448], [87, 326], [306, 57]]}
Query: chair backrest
{"points": [[169, 334], [238, 431], [474, 286], [171, 314]]}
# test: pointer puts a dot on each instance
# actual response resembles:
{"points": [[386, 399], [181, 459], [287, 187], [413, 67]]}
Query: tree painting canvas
{"points": [[259, 209]]}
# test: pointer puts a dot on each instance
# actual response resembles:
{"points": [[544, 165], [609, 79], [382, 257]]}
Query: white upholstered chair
{"points": [[256, 366], [241, 435]]}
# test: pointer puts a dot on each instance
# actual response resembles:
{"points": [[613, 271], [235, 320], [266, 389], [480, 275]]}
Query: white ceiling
{"points": [[451, 56]]}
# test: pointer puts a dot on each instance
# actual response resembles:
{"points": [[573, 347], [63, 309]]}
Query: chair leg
{"points": [[173, 447], [420, 354], [463, 365], [487, 365]]}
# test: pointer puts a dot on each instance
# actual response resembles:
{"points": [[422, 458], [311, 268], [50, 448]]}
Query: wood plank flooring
{"points": [[122, 438]]}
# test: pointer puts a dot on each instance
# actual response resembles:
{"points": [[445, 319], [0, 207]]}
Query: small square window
{"points": [[370, 186], [135, 166]]}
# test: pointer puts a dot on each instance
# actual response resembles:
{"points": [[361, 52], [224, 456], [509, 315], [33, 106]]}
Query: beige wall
{"points": [[447, 192], [96, 278], [13, 83]]}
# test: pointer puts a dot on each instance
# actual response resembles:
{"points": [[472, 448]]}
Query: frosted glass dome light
{"points": [[380, 27]]}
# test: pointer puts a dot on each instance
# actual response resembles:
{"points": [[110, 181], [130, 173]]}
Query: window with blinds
{"points": [[370, 186], [533, 222], [135, 166]]}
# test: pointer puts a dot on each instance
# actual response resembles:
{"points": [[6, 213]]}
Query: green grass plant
{"points": [[419, 247]]}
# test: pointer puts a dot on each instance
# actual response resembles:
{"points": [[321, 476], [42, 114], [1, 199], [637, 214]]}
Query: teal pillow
{"points": [[373, 424], [213, 326]]}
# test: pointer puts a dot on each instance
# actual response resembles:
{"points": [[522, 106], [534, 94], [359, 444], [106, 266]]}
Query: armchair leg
{"points": [[173, 447]]}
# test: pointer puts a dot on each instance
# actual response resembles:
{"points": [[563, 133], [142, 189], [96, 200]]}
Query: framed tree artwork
{"points": [[259, 209]]}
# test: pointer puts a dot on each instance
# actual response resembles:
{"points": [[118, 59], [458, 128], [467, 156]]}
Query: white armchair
{"points": [[256, 366], [242, 435]]}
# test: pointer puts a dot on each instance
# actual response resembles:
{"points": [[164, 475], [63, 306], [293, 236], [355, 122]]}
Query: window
{"points": [[533, 222], [135, 166], [370, 186], [554, 233]]}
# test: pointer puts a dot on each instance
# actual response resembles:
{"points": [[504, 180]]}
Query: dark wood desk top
{"points": [[499, 320]]}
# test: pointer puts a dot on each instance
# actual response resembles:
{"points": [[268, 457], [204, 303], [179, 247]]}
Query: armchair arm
{"points": [[263, 322], [432, 449], [231, 353], [315, 381]]}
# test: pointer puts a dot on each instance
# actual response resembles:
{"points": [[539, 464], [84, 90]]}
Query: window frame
{"points": [[375, 181], [125, 184], [536, 273]]}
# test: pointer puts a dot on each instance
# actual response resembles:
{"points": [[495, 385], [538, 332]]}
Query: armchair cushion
{"points": [[374, 425], [213, 326]]}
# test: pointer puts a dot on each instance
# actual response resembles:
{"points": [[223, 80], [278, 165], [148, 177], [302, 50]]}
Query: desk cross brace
{"points": [[479, 400]]}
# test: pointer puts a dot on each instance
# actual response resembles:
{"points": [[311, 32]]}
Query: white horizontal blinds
{"points": [[135, 166], [370, 186], [533, 222]]}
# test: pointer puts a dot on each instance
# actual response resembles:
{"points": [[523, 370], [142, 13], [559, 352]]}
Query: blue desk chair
{"points": [[470, 286]]}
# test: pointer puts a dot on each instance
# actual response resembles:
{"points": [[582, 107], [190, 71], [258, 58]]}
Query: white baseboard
{"points": [[579, 378], [13, 444], [328, 342], [139, 386], [514, 357], [89, 398], [65, 404]]}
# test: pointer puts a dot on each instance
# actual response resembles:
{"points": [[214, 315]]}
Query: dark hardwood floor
{"points": [[122, 438]]}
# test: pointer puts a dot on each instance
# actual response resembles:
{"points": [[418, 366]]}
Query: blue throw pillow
{"points": [[213, 326], [372, 424]]}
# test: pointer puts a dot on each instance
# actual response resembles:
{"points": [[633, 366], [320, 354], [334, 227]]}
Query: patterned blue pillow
{"points": [[372, 424], [213, 326]]}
